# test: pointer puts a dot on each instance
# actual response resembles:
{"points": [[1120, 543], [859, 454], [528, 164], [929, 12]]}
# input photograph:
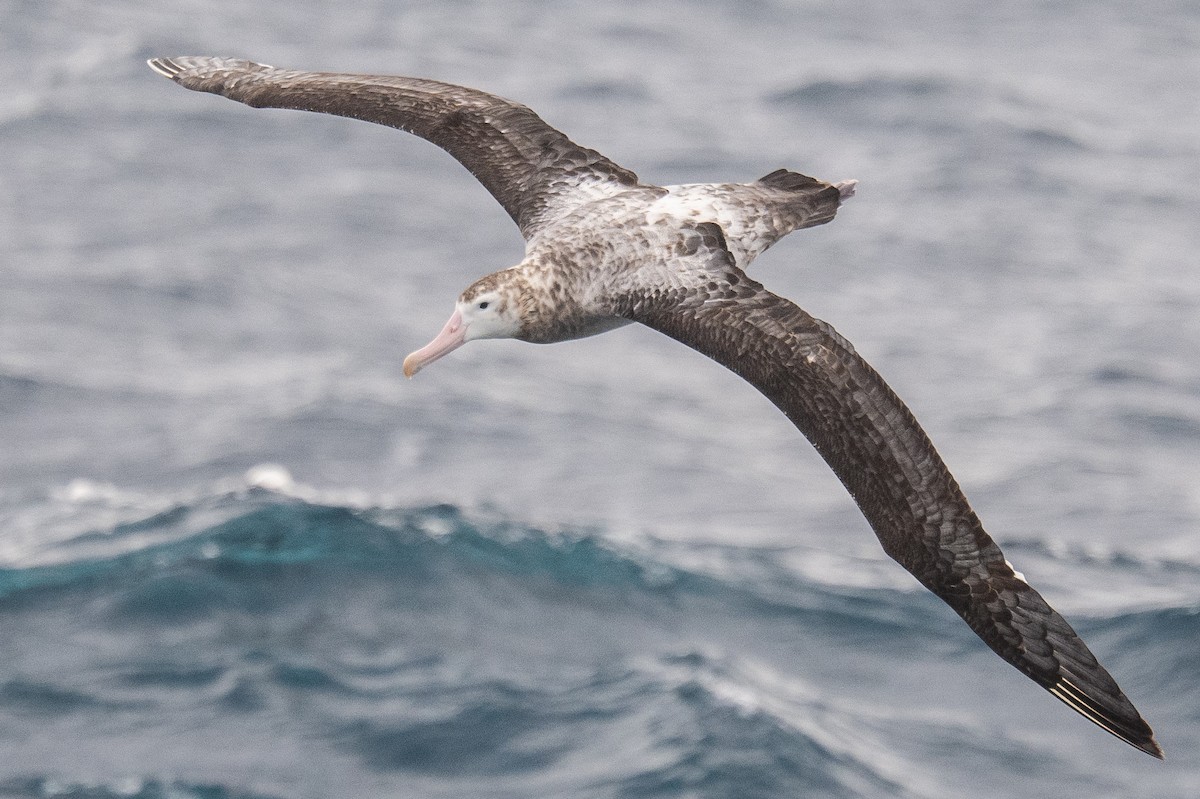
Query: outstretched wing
{"points": [[534, 171], [886, 461]]}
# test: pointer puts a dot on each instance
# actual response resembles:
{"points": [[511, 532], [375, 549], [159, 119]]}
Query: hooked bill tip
{"points": [[451, 338]]}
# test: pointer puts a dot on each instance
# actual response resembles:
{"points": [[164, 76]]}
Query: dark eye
{"points": [[483, 305]]}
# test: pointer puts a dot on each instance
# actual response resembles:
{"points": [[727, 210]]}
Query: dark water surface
{"points": [[241, 556]]}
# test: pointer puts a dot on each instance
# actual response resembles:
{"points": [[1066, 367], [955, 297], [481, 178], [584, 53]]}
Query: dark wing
{"points": [[881, 454], [534, 171]]}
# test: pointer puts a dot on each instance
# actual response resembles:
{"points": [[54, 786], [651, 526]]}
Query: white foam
{"points": [[270, 477]]}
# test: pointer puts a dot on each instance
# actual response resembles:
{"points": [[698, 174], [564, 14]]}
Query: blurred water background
{"points": [[242, 556]]}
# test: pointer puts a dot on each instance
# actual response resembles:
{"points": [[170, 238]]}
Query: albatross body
{"points": [[604, 250]]}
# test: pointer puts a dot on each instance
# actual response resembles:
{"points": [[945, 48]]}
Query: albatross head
{"points": [[489, 308]]}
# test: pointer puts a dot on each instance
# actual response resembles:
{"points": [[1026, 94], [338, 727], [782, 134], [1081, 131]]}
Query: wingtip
{"points": [[183, 69], [167, 67], [1128, 726], [1148, 745], [845, 190]]}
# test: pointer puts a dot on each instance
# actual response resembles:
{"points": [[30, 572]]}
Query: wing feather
{"points": [[533, 170], [891, 469]]}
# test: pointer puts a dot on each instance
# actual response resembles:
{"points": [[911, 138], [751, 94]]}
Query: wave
{"points": [[263, 528], [835, 92], [258, 558], [437, 643], [179, 562], [16, 390], [935, 105], [41, 787], [1108, 557]]}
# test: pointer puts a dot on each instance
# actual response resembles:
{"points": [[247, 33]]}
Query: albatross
{"points": [[604, 249]]}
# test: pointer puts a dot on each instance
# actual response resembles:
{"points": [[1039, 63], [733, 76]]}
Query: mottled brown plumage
{"points": [[516, 156], [605, 250]]}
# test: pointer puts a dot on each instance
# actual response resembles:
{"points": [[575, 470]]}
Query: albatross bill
{"points": [[452, 337]]}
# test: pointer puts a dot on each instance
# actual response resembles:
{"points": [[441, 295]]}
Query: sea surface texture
{"points": [[241, 557]]}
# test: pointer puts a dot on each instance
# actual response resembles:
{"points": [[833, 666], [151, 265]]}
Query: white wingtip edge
{"points": [[165, 67]]}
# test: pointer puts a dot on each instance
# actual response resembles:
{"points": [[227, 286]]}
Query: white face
{"points": [[479, 313], [488, 314]]}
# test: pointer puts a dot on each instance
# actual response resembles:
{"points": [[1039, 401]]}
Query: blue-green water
{"points": [[313, 649]]}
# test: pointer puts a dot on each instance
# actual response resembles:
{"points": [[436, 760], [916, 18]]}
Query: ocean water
{"points": [[242, 556]]}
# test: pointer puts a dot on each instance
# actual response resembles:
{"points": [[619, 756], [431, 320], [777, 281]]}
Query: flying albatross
{"points": [[604, 249]]}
